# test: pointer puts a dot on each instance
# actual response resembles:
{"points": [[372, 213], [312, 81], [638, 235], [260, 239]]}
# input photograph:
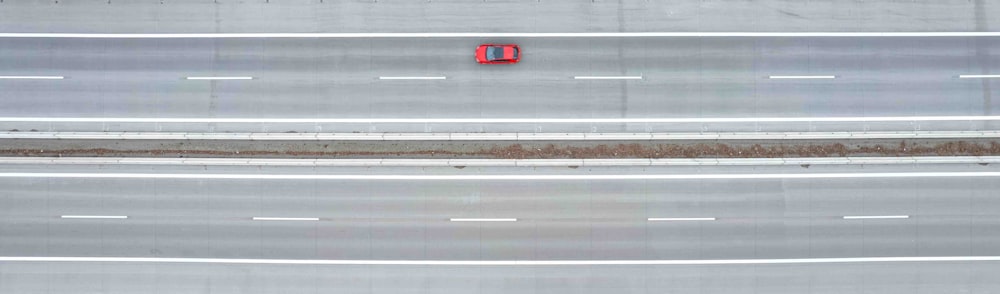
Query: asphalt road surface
{"points": [[253, 16], [758, 219], [593, 221], [726, 77]]}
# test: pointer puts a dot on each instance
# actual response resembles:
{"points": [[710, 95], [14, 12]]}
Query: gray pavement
{"points": [[900, 278], [557, 220], [338, 78], [173, 16]]}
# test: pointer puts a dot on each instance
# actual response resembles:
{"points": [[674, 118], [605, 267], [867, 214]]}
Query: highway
{"points": [[317, 220], [399, 71], [377, 81]]}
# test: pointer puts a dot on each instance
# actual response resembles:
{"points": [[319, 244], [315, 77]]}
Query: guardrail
{"points": [[499, 136]]}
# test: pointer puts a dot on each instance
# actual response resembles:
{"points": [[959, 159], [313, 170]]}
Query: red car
{"points": [[498, 54]]}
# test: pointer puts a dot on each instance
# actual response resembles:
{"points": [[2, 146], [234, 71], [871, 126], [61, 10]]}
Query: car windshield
{"points": [[494, 53]]}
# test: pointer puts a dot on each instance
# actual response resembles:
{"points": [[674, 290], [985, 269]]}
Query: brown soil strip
{"points": [[507, 150]]}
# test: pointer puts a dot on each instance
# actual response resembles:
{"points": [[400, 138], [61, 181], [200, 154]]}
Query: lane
{"points": [[553, 220], [681, 78], [201, 16], [897, 278]]}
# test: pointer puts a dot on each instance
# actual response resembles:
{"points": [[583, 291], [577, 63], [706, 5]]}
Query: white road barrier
{"points": [[499, 136], [393, 162], [501, 262]]}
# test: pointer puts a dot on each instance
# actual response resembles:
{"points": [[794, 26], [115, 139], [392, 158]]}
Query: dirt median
{"points": [[504, 150]]}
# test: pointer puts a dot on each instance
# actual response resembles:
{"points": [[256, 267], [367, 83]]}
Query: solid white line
{"points": [[802, 77], [95, 216], [285, 218], [412, 78], [504, 262], [875, 216], [219, 78], [607, 77], [503, 162], [32, 77], [498, 136], [483, 219], [667, 219], [498, 35], [548, 177], [978, 76], [502, 120]]}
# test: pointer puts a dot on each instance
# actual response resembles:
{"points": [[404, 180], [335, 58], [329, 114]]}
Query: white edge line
{"points": [[95, 216], [875, 216], [500, 162], [802, 77], [496, 35], [505, 262], [501, 120], [219, 78], [658, 219], [497, 136], [978, 76], [483, 219], [607, 77], [548, 177], [285, 218], [32, 77]]}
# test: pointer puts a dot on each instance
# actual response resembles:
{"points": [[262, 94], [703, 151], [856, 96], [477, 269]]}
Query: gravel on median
{"points": [[501, 149]]}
